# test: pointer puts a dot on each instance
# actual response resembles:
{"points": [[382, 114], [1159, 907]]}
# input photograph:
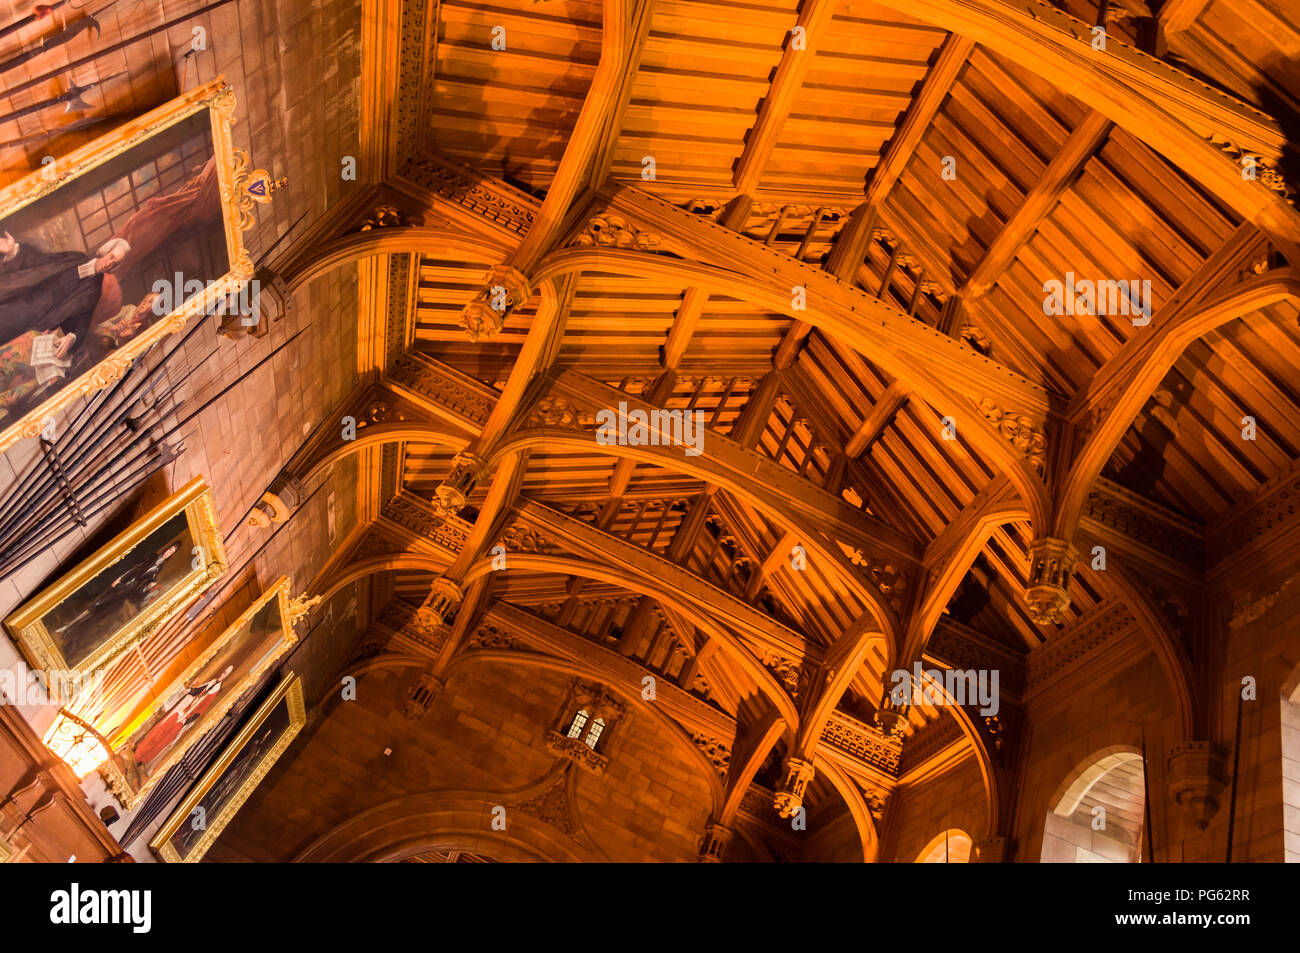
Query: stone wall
{"points": [[482, 742]]}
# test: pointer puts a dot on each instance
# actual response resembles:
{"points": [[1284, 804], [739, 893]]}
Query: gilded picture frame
{"points": [[41, 625], [238, 187], [249, 656], [286, 714]]}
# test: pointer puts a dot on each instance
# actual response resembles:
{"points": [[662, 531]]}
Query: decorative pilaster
{"points": [[1050, 569], [453, 493], [422, 695], [506, 290], [1194, 779], [277, 504], [714, 845], [789, 798]]}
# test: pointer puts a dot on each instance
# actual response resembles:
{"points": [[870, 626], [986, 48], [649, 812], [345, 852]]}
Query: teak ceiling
{"points": [[821, 167]]}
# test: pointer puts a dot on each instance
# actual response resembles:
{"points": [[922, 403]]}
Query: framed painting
{"points": [[234, 662], [127, 588], [199, 819], [109, 249]]}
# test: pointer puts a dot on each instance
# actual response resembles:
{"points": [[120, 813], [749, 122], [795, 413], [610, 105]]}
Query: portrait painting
{"points": [[125, 589], [204, 813], [228, 668], [110, 248]]}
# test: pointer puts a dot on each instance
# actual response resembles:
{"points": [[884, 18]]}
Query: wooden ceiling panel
{"points": [[510, 111], [704, 70], [1249, 46]]}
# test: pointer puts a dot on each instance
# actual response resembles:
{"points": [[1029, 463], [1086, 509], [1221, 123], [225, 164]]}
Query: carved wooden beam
{"points": [[882, 414], [691, 712], [843, 262], [726, 608], [814, 18], [905, 346], [1202, 130], [722, 462], [624, 26], [776, 488], [1060, 173], [1178, 15], [950, 556], [1123, 386], [954, 52], [485, 206]]}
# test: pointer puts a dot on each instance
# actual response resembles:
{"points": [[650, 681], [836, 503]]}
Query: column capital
{"points": [[452, 494], [1194, 779], [714, 844], [1051, 567], [789, 798]]}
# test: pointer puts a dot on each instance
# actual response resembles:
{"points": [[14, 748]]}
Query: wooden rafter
{"points": [[1173, 112], [1079, 147], [814, 17]]}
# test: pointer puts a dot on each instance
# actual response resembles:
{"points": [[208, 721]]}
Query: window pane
{"points": [[580, 719]]}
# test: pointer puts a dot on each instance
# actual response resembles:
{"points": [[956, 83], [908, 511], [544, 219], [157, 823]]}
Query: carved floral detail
{"points": [[614, 231], [559, 412], [717, 751], [489, 637], [521, 538], [784, 669], [1018, 429]]}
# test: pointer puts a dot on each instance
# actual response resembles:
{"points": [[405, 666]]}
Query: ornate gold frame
{"points": [[240, 187], [125, 788], [195, 499], [290, 689]]}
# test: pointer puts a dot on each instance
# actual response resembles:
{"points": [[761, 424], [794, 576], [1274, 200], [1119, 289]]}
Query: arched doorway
{"points": [[1097, 814], [950, 847], [1291, 767]]}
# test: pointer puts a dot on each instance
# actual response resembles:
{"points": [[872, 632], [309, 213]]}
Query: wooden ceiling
{"points": [[924, 173]]}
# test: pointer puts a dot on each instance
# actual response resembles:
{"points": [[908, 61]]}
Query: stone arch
{"points": [[855, 802], [1290, 703], [1110, 781], [952, 846], [631, 695], [411, 825]]}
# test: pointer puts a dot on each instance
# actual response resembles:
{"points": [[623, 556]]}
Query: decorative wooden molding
{"points": [[1058, 659], [956, 646], [444, 390], [864, 742], [1138, 527], [1269, 516], [928, 743], [447, 534], [479, 202]]}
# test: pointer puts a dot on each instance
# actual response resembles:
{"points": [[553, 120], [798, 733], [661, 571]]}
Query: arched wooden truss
{"points": [[969, 455]]}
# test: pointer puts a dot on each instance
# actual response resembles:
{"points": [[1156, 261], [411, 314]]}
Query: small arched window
{"points": [[593, 735], [579, 722]]}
